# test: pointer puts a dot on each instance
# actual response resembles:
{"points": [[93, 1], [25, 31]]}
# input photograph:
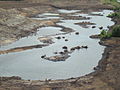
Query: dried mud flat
{"points": [[107, 74]]}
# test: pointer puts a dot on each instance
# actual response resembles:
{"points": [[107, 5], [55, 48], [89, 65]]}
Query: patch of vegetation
{"points": [[115, 14], [115, 32], [105, 34], [112, 2]]}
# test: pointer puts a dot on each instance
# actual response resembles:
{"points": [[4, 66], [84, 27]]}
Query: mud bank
{"points": [[15, 25]]}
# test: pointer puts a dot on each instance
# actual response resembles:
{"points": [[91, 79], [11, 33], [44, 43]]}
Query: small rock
{"points": [[77, 33], [61, 52], [85, 47], [78, 47], [100, 27], [96, 68], [58, 37], [66, 39], [93, 26], [65, 51], [63, 37], [72, 49], [43, 56], [65, 47]]}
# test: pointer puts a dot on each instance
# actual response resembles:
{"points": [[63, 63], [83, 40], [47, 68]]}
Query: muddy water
{"points": [[29, 64]]}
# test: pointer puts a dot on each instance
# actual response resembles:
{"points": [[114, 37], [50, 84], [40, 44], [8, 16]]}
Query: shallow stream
{"points": [[29, 64]]}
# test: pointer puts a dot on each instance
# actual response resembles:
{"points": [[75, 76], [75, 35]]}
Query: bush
{"points": [[116, 31], [105, 34], [116, 14]]}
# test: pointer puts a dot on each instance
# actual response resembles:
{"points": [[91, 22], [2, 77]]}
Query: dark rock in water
{"points": [[77, 33], [85, 47], [58, 37], [61, 52], [66, 51], [65, 47], [100, 27], [66, 39], [63, 37], [55, 52], [78, 47], [93, 26], [96, 68], [72, 49], [43, 56]]}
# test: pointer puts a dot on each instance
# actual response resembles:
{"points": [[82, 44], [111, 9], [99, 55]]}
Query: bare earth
{"points": [[15, 16]]}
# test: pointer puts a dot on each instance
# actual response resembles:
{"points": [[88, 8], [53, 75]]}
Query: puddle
{"points": [[29, 64]]}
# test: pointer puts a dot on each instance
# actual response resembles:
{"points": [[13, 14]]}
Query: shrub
{"points": [[116, 14], [105, 34], [116, 31]]}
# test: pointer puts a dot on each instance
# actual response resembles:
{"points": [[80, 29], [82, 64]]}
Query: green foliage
{"points": [[116, 31], [105, 34], [116, 15], [113, 3]]}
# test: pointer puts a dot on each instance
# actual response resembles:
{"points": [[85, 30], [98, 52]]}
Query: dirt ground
{"points": [[107, 74]]}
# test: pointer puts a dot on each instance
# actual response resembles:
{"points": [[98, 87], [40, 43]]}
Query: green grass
{"points": [[113, 3]]}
